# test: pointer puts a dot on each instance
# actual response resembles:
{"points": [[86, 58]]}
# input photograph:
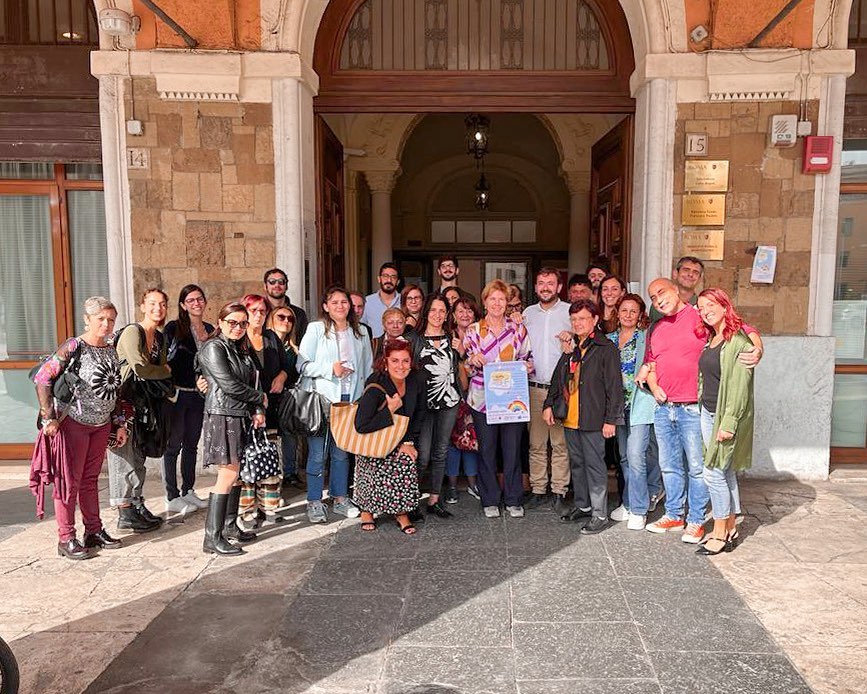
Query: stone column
{"points": [[652, 234], [351, 229], [295, 185], [381, 183], [578, 183], [112, 126]]}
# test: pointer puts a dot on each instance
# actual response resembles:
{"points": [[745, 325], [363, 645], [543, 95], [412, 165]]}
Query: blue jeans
{"points": [[642, 478], [470, 459], [287, 448], [722, 484], [678, 433], [338, 480]]}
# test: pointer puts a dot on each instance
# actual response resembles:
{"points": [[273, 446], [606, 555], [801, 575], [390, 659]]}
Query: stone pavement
{"points": [[468, 605]]}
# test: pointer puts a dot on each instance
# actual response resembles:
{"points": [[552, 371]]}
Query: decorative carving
{"points": [[381, 181], [590, 51], [357, 53], [577, 181], [512, 35], [436, 34], [199, 96], [751, 96]]}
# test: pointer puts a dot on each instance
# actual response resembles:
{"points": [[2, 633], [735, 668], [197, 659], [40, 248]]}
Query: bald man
{"points": [[670, 370]]}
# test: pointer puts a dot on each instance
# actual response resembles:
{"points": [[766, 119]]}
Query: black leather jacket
{"points": [[231, 377]]}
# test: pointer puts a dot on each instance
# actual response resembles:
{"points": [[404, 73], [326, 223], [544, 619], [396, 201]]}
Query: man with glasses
{"points": [[387, 297], [275, 282]]}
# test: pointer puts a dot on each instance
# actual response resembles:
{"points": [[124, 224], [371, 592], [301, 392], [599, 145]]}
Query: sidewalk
{"points": [[469, 605]]}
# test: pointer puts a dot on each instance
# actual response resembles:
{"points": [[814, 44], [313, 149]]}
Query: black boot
{"points": [[146, 514], [102, 540], [73, 549], [129, 518], [214, 542], [231, 529]]}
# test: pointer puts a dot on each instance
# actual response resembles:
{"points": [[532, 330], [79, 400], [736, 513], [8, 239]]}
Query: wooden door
{"points": [[611, 197], [330, 242]]}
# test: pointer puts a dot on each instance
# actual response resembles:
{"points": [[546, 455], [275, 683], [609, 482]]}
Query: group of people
{"points": [[666, 400]]}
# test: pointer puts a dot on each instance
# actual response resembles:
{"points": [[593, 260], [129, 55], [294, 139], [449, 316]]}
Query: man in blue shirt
{"points": [[386, 297]]}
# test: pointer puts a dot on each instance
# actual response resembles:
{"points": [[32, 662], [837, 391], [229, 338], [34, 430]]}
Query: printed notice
{"points": [[764, 265], [507, 392]]}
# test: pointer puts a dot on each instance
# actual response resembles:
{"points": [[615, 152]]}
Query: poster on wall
{"points": [[764, 265], [507, 392]]}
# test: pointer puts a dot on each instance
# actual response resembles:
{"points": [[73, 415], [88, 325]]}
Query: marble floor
{"points": [[468, 605]]}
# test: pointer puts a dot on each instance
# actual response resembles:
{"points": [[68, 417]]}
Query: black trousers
{"points": [[508, 436], [433, 445], [589, 473], [186, 417]]}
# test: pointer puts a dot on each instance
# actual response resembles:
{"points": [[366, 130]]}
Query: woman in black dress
{"points": [[390, 485], [232, 401]]}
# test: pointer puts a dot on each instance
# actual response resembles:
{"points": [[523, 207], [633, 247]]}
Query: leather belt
{"points": [[541, 386], [683, 404]]}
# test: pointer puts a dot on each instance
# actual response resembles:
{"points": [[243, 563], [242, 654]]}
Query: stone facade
{"points": [[203, 210], [769, 203]]}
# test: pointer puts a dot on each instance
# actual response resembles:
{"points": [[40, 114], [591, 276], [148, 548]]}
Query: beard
{"points": [[387, 287]]}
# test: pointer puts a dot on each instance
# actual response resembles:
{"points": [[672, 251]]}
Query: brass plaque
{"points": [[706, 244], [703, 210], [712, 176]]}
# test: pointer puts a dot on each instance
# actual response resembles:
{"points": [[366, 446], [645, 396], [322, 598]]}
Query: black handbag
{"points": [[67, 383], [303, 412], [259, 458]]}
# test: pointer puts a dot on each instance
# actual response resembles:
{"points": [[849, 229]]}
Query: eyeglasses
{"points": [[413, 298], [237, 324], [276, 280], [284, 318], [195, 300], [389, 276]]}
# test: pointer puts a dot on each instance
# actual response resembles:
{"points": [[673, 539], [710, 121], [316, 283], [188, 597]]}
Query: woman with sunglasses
{"points": [[184, 337], [283, 325], [232, 402]]}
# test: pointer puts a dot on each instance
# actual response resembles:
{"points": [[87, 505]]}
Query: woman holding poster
{"points": [[497, 338]]}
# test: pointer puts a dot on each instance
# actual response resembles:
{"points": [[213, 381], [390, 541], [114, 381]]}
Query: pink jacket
{"points": [[50, 464]]}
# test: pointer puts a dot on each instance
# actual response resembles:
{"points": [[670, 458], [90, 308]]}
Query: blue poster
{"points": [[507, 395]]}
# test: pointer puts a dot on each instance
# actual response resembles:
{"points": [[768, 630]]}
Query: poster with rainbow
{"points": [[507, 394]]}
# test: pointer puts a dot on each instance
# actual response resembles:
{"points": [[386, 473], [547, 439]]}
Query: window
{"points": [[48, 22], [52, 232], [475, 231]]}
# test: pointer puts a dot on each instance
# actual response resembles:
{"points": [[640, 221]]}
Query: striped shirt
{"points": [[512, 344]]}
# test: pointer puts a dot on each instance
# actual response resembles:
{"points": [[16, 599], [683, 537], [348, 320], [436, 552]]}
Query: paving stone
{"points": [[359, 577], [565, 590], [727, 673], [588, 686], [438, 670], [456, 608], [588, 650], [443, 556], [546, 536], [351, 543], [699, 613], [645, 554]]}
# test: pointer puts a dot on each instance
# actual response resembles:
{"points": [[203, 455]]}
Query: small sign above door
{"points": [[696, 145], [706, 176]]}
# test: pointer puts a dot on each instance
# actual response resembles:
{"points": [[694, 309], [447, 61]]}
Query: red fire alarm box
{"points": [[818, 153]]}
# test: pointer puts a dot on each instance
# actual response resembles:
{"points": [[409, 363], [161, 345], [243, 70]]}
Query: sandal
{"points": [[368, 525], [706, 551], [408, 529]]}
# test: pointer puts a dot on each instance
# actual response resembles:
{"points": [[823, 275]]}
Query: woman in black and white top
{"points": [[438, 363]]}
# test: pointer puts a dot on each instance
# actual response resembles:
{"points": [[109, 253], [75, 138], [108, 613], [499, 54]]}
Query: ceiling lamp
{"points": [[483, 193], [477, 135]]}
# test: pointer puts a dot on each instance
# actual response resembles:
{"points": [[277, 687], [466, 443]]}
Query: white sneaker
{"points": [[514, 511], [621, 513], [492, 511], [636, 522], [180, 505], [191, 498]]}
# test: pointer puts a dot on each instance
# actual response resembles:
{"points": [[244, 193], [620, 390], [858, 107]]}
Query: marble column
{"points": [[578, 183], [351, 229], [381, 183], [295, 185]]}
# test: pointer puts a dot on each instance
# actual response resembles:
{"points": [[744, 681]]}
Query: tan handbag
{"points": [[377, 444]]}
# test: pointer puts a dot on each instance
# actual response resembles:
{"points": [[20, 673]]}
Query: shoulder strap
{"points": [[377, 387]]}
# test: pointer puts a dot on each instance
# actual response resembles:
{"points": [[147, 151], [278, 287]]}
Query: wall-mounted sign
{"points": [[710, 176], [137, 158], [703, 209], [696, 145], [707, 244]]}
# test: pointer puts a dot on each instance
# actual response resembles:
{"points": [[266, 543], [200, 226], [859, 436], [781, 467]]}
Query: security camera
{"points": [[116, 22]]}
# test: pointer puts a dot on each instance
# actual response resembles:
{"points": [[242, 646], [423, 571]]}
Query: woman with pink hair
{"points": [[726, 399]]}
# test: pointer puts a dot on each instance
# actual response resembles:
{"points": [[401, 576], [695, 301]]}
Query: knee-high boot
{"points": [[230, 528], [214, 542]]}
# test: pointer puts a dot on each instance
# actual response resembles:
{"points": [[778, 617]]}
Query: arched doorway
{"points": [[568, 62]]}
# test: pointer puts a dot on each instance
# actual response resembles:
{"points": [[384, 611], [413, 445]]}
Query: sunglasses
{"points": [[284, 318], [276, 281], [237, 324]]}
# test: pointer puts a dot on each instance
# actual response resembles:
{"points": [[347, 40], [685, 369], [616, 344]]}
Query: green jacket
{"points": [[734, 409]]}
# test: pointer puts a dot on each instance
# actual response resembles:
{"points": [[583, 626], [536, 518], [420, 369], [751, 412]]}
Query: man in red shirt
{"points": [[671, 372]]}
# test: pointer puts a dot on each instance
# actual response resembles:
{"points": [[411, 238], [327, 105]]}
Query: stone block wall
{"points": [[203, 210], [770, 202]]}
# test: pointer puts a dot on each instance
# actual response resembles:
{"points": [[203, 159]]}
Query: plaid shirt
{"points": [[512, 344]]}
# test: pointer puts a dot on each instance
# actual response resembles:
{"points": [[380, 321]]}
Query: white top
{"points": [[543, 327], [346, 354], [373, 310]]}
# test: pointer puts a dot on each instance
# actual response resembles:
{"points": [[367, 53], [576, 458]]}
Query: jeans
{"points": [[678, 433], [288, 444], [455, 456], [508, 436], [186, 422], [436, 430], [642, 478], [338, 479], [589, 472], [722, 484], [126, 474], [86, 445]]}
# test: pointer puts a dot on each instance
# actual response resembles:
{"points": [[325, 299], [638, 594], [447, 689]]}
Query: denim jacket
{"points": [[316, 356]]}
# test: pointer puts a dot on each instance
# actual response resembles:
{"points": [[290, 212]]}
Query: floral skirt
{"points": [[224, 439], [386, 485]]}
